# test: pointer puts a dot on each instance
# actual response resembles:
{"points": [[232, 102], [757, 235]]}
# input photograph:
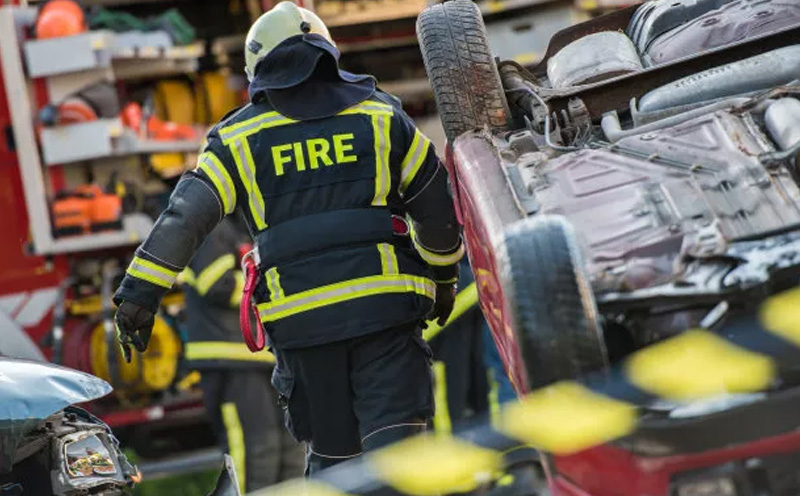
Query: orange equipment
{"points": [[60, 18], [87, 208]]}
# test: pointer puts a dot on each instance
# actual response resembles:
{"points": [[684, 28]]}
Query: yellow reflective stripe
{"points": [[243, 129], [240, 149], [213, 272], [345, 291], [439, 259], [235, 435], [567, 417], [224, 350], [187, 277], [389, 264], [369, 108], [441, 416], [236, 296], [383, 178], [413, 160], [152, 273], [274, 284], [697, 364], [427, 465], [780, 315], [465, 300], [213, 168]]}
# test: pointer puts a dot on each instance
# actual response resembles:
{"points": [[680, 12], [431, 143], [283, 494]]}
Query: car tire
{"points": [[554, 311], [466, 84]]}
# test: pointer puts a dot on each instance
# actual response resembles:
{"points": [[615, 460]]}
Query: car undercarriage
{"points": [[639, 181]]}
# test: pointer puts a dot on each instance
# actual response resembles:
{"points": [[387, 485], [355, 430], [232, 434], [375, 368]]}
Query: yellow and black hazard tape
{"points": [[571, 416]]}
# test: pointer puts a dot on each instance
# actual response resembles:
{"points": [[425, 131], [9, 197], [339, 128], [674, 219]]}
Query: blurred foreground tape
{"points": [[430, 465], [570, 416], [698, 364], [567, 417], [301, 487]]}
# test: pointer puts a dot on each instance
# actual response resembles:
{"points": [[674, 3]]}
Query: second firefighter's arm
{"points": [[199, 202], [426, 195], [214, 272]]}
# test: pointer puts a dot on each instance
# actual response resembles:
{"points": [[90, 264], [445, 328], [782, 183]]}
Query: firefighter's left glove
{"points": [[134, 326], [443, 306]]}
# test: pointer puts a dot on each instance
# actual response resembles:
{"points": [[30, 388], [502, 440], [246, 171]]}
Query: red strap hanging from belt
{"points": [[257, 342]]}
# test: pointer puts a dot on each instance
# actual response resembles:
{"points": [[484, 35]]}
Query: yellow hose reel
{"points": [[149, 372]]}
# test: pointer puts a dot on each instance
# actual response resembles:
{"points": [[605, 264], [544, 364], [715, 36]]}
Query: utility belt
{"points": [[306, 236]]}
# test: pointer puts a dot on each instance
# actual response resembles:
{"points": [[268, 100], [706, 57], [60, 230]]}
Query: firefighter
{"points": [[327, 169], [242, 405]]}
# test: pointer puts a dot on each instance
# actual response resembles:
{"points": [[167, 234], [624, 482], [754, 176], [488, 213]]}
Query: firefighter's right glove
{"points": [[134, 326], [443, 306]]}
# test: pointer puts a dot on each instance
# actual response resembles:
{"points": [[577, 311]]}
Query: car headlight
{"points": [[716, 486], [88, 456]]}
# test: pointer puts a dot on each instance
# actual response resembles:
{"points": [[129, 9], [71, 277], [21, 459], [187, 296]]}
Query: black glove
{"points": [[134, 325], [443, 306]]}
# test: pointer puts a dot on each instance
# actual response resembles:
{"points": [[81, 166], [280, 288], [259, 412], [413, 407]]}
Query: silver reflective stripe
{"points": [[222, 179], [382, 148], [338, 293], [388, 259]]}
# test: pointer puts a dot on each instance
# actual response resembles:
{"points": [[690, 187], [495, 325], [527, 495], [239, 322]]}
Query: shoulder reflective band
{"points": [[224, 350], [274, 284], [240, 149], [344, 291], [369, 108], [388, 259], [465, 299], [383, 178], [236, 446], [152, 272], [213, 168], [413, 160], [213, 272], [241, 130], [438, 259]]}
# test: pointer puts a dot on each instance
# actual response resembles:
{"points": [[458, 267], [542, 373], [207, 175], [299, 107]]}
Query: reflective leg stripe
{"points": [[388, 259], [223, 350], [236, 296], [241, 130], [345, 291], [274, 284], [383, 178], [212, 273], [240, 149], [439, 259], [152, 272], [441, 417], [209, 164], [413, 160], [233, 428], [465, 299]]}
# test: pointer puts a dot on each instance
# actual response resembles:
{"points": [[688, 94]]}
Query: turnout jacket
{"points": [[323, 199], [213, 284]]}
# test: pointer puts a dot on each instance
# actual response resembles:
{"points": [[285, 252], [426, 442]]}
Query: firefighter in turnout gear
{"points": [[241, 404], [328, 170]]}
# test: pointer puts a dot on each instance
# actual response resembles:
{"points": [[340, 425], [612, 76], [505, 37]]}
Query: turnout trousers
{"points": [[356, 395], [246, 419]]}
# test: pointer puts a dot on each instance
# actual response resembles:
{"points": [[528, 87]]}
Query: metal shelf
{"points": [[102, 139], [135, 228], [129, 55]]}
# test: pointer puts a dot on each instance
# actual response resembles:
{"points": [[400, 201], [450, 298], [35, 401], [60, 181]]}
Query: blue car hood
{"points": [[32, 391]]}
